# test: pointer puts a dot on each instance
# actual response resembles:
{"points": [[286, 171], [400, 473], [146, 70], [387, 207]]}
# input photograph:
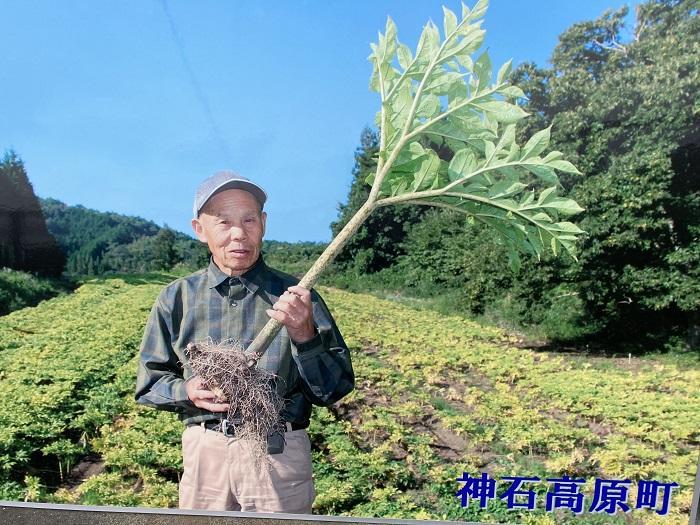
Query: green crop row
{"points": [[140, 455], [436, 395], [57, 364], [581, 416]]}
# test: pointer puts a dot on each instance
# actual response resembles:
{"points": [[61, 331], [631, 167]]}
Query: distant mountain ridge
{"points": [[97, 242]]}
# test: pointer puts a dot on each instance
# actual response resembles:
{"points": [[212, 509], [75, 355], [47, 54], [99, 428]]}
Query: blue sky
{"points": [[126, 105]]}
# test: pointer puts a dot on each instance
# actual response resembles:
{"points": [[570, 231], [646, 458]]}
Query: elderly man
{"points": [[233, 298]]}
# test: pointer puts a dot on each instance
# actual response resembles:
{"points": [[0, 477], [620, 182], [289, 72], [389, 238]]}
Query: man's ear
{"points": [[263, 216], [199, 230]]}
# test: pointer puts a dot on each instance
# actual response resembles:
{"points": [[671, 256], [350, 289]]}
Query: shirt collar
{"points": [[252, 279]]}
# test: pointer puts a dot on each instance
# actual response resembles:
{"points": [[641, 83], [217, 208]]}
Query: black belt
{"points": [[228, 428]]}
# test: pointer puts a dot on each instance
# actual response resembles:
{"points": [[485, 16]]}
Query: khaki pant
{"points": [[219, 474]]}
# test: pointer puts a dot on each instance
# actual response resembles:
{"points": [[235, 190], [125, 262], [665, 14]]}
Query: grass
{"points": [[22, 289]]}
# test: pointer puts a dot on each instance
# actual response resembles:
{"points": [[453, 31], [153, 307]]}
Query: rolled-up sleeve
{"points": [[324, 362], [159, 380]]}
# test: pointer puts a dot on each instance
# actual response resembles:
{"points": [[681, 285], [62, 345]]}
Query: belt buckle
{"points": [[225, 425]]}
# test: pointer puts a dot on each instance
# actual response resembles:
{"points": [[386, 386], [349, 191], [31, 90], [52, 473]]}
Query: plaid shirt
{"points": [[209, 303]]}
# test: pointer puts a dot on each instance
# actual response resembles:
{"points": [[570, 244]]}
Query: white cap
{"points": [[225, 180]]}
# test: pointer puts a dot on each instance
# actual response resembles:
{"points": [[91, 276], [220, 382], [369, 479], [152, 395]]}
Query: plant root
{"points": [[254, 404]]}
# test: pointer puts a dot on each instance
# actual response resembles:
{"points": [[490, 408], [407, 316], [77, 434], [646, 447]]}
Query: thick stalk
{"points": [[273, 326]]}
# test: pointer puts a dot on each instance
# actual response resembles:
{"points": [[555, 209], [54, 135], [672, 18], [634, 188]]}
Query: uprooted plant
{"points": [[441, 99]]}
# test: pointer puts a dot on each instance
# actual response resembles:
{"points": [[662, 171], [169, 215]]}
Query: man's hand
{"points": [[294, 310], [201, 397]]}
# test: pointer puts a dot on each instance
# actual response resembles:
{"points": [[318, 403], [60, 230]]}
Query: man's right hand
{"points": [[203, 398]]}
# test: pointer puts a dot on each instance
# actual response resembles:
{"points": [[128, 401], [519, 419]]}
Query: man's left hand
{"points": [[294, 310]]}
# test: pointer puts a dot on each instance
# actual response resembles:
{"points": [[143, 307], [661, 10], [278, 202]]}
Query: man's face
{"points": [[233, 226]]}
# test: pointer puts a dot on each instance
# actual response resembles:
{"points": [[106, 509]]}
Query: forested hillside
{"points": [[47, 247], [98, 242]]}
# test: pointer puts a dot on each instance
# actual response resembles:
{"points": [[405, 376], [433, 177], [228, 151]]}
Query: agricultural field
{"points": [[436, 396]]}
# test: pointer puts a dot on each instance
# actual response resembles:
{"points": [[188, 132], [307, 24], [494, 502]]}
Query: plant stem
{"points": [[273, 326]]}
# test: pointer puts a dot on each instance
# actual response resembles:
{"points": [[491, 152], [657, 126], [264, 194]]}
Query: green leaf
{"points": [[374, 79], [404, 56], [390, 37], [400, 104], [512, 92], [482, 69], [471, 40], [563, 165], [449, 21], [542, 217], [409, 161], [514, 153], [528, 198], [465, 11], [478, 11], [568, 227], [489, 149], [507, 138], [552, 155], [502, 111], [428, 44], [465, 61], [534, 236], [429, 105], [427, 171], [416, 150], [475, 189], [399, 188], [506, 188], [387, 43], [537, 143], [441, 81], [555, 247], [563, 206], [504, 71], [546, 195], [456, 93], [462, 164], [390, 132], [514, 263], [545, 173]]}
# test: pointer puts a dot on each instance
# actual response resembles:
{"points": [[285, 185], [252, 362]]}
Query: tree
{"points": [[164, 253], [25, 243], [445, 252], [626, 112]]}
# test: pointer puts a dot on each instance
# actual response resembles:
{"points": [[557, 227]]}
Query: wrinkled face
{"points": [[233, 226]]}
